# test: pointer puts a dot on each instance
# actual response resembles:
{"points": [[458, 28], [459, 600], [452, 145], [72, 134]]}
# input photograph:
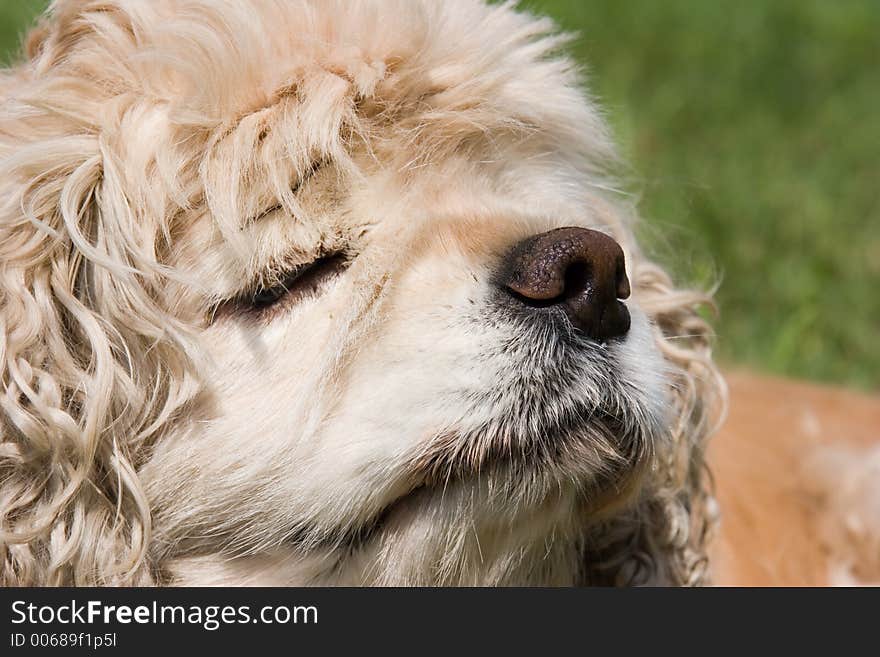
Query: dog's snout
{"points": [[578, 269]]}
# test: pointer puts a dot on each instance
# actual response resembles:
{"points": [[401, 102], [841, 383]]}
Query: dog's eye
{"points": [[265, 297], [300, 282]]}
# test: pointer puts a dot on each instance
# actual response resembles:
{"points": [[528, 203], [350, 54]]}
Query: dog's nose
{"points": [[578, 269]]}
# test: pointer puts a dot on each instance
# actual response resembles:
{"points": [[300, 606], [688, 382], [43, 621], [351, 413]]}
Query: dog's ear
{"points": [[90, 363], [662, 539]]}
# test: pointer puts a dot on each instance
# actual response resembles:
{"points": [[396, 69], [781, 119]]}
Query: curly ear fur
{"points": [[94, 364]]}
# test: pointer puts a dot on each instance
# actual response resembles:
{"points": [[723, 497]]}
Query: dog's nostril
{"points": [[580, 270], [577, 278]]}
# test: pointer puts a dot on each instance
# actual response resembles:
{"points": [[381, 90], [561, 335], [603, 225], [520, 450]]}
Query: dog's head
{"points": [[301, 292]]}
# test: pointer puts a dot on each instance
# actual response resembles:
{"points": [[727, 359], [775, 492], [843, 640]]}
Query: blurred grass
{"points": [[15, 17], [753, 128]]}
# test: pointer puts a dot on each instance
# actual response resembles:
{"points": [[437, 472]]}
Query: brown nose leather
{"points": [[580, 270]]}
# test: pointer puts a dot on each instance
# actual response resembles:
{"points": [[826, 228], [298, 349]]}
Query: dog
{"points": [[334, 293]]}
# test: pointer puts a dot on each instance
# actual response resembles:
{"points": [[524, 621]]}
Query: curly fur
{"points": [[131, 122]]}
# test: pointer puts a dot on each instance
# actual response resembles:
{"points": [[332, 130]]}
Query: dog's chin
{"points": [[496, 477], [504, 513]]}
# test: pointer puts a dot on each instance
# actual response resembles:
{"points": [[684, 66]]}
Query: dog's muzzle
{"points": [[578, 270]]}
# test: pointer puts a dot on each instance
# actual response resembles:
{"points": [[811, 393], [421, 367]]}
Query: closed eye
{"points": [[299, 283], [300, 280]]}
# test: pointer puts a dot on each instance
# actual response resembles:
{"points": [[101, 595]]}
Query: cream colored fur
{"points": [[398, 427]]}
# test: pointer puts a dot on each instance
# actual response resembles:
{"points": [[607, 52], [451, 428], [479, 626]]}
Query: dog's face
{"points": [[375, 382], [404, 288]]}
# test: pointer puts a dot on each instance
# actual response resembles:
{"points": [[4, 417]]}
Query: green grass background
{"points": [[753, 136]]}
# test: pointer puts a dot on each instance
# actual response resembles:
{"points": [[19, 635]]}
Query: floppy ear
{"points": [[91, 366], [662, 539]]}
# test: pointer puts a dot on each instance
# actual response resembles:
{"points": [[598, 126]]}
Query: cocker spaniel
{"points": [[333, 293]]}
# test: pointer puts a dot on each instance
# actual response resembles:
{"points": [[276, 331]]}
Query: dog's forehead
{"points": [[238, 54], [436, 77]]}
